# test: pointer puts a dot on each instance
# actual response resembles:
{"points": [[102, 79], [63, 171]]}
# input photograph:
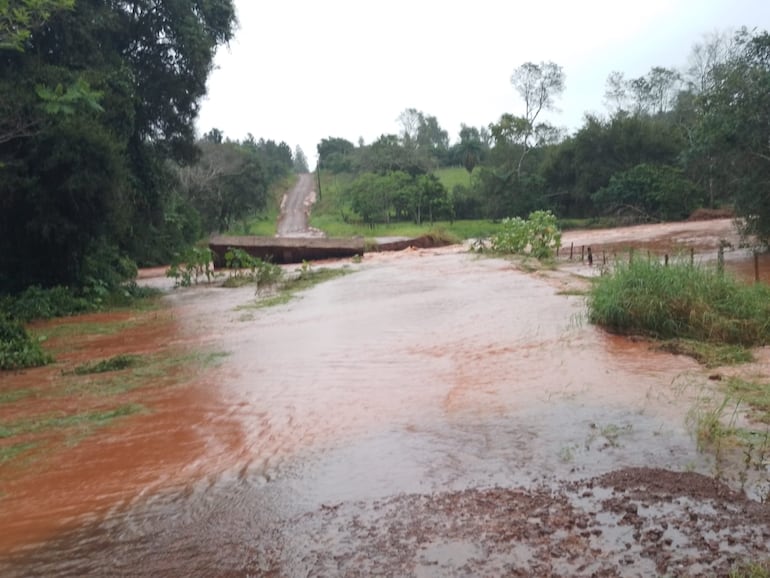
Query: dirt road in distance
{"points": [[295, 209]]}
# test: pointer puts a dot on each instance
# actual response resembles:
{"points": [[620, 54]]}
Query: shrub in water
{"points": [[539, 235]]}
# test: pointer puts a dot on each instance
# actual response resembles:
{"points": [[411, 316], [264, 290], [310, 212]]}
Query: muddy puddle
{"points": [[433, 413]]}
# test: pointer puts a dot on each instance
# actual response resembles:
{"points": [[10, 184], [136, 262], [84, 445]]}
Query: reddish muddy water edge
{"points": [[433, 413]]}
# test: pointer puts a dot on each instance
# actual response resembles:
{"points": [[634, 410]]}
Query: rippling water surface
{"points": [[419, 372]]}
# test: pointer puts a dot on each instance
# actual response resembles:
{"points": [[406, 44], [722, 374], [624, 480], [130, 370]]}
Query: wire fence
{"points": [[752, 265]]}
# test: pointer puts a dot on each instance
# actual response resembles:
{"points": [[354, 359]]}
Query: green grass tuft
{"points": [[51, 422], [116, 363], [290, 287], [751, 570], [709, 354], [754, 394], [681, 301], [13, 451]]}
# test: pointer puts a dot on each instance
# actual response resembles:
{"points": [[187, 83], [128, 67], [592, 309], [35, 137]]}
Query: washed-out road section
{"points": [[434, 413]]}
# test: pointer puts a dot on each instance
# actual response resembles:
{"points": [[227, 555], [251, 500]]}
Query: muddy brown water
{"points": [[382, 423]]}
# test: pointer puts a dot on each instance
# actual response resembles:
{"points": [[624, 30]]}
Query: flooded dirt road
{"points": [[433, 413]]}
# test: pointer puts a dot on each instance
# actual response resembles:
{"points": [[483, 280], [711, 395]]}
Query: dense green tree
{"points": [[370, 197], [388, 154], [423, 139], [430, 199], [470, 149], [275, 158], [581, 165], [18, 18], [96, 176], [335, 154], [226, 183], [397, 195], [650, 193], [734, 123], [300, 161]]}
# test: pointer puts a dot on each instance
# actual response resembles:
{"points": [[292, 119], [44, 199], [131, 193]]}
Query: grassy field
{"points": [[333, 216], [450, 177]]}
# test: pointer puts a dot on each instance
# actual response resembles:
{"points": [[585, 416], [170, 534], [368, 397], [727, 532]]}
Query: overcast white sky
{"points": [[302, 70]]}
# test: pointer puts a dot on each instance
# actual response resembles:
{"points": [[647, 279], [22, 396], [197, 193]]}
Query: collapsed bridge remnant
{"points": [[286, 249]]}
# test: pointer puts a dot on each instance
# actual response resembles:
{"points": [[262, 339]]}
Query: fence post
{"points": [[582, 252], [721, 260], [571, 247], [692, 255], [666, 260], [756, 267]]}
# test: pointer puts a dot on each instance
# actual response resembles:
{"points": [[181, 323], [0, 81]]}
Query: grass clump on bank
{"points": [[18, 349], [681, 301], [115, 363]]}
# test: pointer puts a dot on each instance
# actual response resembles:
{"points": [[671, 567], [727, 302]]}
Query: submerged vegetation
{"points": [[287, 288], [105, 389], [20, 348]]}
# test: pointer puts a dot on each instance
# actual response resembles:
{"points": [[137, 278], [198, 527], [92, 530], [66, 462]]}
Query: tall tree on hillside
{"points": [[470, 148], [423, 138], [300, 160], [538, 85], [616, 92]]}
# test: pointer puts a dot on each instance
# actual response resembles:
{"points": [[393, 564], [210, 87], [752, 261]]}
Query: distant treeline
{"points": [[100, 167], [673, 141]]}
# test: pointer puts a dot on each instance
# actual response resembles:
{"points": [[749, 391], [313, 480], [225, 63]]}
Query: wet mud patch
{"points": [[635, 522], [630, 522]]}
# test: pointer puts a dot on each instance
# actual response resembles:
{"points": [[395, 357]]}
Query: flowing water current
{"points": [[418, 373]]}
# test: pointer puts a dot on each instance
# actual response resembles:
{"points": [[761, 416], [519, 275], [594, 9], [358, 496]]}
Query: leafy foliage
{"points": [[397, 195], [227, 183], [247, 269], [191, 267], [18, 18], [99, 98], [731, 128], [17, 348], [538, 236], [656, 192]]}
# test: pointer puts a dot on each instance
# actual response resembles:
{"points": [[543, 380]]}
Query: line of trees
{"points": [[671, 142], [100, 166]]}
